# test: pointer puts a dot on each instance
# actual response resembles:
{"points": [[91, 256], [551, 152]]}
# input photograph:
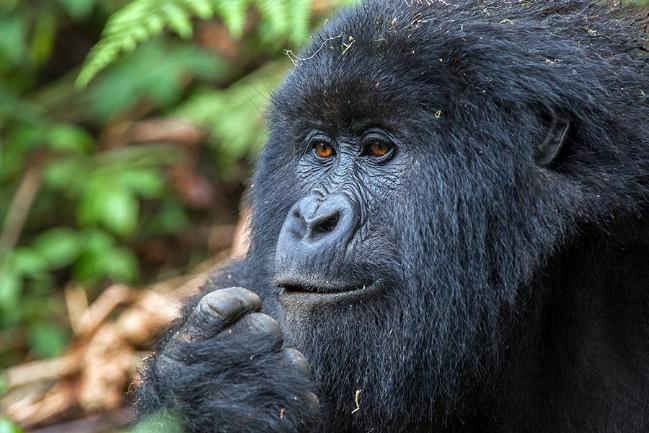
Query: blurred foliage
{"points": [[160, 422], [142, 19], [6, 426], [117, 178]]}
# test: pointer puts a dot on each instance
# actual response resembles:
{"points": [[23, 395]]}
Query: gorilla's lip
{"points": [[292, 290]]}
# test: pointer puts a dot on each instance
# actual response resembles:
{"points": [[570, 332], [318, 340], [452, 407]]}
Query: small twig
{"points": [[94, 316], [159, 130], [19, 208], [76, 301], [347, 46], [37, 371], [93, 424], [295, 59]]}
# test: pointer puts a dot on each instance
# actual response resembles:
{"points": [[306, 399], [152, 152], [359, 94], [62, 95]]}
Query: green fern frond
{"points": [[275, 13], [137, 22], [233, 13], [141, 20], [228, 113], [299, 20]]}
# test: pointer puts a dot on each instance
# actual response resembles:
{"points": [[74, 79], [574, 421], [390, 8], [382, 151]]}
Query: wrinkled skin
{"points": [[449, 234]]}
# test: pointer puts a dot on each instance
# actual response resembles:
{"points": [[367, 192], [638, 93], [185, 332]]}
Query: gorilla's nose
{"points": [[314, 223]]}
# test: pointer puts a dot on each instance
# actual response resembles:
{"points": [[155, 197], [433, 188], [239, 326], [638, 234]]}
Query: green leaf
{"points": [[120, 211], [102, 259], [59, 246], [4, 386], [147, 183], [118, 264], [78, 9], [27, 261], [6, 426], [110, 204], [89, 267], [133, 79], [47, 339], [121, 265], [171, 218], [10, 285], [233, 13], [159, 422], [69, 138], [44, 32], [13, 34], [96, 240], [201, 8], [65, 174], [275, 13], [299, 20], [178, 19]]}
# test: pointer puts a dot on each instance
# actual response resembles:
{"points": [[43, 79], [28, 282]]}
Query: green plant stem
{"points": [[20, 206]]}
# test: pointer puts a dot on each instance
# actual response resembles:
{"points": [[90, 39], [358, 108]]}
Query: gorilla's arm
{"points": [[223, 369]]}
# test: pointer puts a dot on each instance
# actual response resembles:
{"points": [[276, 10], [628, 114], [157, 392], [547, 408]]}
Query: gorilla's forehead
{"points": [[349, 74], [357, 86]]}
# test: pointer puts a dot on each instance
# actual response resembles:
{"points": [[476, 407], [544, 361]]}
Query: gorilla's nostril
{"points": [[297, 226], [326, 224]]}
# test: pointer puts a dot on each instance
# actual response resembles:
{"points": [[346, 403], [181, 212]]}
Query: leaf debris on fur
{"points": [[349, 45], [357, 401], [296, 60]]}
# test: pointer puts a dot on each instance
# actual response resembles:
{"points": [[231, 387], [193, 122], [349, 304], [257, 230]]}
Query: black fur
{"points": [[518, 292]]}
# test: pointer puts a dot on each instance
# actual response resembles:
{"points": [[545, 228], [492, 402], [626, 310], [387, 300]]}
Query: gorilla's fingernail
{"points": [[297, 360], [232, 301]]}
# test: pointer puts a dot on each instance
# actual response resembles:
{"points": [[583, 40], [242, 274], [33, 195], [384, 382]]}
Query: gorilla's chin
{"points": [[362, 360]]}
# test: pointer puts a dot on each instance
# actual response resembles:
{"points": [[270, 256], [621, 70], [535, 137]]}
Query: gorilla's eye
{"points": [[323, 150], [379, 148]]}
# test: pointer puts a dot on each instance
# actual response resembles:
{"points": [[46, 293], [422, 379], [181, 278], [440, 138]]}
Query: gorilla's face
{"points": [[413, 211], [337, 244]]}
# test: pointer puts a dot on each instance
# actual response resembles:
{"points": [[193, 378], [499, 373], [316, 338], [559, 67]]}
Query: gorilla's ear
{"points": [[557, 130]]}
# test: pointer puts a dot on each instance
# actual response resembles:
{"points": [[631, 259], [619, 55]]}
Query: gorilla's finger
{"points": [[297, 360], [261, 332], [312, 400], [220, 308]]}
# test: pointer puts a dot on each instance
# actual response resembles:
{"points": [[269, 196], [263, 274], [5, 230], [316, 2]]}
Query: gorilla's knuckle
{"points": [[297, 360], [262, 324]]}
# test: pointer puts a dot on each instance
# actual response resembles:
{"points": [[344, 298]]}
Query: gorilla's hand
{"points": [[225, 370]]}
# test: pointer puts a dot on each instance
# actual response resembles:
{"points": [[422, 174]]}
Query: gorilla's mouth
{"points": [[310, 291]]}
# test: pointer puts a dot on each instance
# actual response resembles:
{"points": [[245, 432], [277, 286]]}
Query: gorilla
{"points": [[450, 233]]}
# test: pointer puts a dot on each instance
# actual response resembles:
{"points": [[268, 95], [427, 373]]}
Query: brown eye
{"points": [[323, 150], [379, 149]]}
